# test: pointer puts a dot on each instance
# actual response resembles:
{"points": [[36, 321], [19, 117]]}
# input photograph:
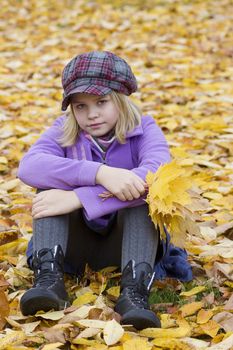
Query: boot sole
{"points": [[141, 321], [31, 303]]}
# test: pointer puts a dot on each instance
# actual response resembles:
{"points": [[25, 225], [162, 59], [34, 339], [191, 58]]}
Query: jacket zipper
{"points": [[104, 157]]}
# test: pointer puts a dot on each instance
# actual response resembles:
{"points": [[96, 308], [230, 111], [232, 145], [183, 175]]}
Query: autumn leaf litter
{"points": [[181, 52]]}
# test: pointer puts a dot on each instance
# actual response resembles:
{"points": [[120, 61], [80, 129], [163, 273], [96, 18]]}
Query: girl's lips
{"points": [[97, 125]]}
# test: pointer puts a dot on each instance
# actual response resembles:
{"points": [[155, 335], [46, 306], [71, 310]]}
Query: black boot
{"points": [[132, 304], [48, 291]]}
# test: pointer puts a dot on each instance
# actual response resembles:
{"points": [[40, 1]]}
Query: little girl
{"points": [[102, 146]]}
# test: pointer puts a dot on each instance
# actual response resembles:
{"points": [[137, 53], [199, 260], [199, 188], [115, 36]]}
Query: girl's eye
{"points": [[80, 106], [100, 102]]}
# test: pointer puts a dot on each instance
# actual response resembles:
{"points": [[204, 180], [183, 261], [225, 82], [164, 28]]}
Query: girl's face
{"points": [[95, 114]]}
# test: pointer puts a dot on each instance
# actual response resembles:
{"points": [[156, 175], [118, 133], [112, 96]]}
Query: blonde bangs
{"points": [[129, 118]]}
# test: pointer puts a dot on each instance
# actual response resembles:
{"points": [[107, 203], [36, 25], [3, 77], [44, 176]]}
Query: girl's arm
{"points": [[152, 151], [94, 206], [45, 166], [54, 202]]}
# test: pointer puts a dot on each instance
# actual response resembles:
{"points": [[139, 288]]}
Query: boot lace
{"points": [[46, 277], [137, 297]]}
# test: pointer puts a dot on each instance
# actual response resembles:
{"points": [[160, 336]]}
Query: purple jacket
{"points": [[47, 165]]}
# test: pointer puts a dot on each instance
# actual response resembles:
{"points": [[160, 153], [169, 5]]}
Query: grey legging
{"points": [[131, 235]]}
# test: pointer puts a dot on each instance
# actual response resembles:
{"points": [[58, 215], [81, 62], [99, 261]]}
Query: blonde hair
{"points": [[129, 118]]}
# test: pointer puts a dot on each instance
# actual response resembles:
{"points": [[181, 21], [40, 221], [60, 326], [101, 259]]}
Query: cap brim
{"points": [[87, 89]]}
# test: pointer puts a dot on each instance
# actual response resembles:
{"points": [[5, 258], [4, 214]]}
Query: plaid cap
{"points": [[97, 73]]}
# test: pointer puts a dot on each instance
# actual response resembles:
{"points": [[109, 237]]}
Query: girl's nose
{"points": [[93, 113]]}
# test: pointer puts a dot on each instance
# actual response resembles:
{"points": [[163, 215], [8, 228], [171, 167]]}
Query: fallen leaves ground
{"points": [[181, 52]]}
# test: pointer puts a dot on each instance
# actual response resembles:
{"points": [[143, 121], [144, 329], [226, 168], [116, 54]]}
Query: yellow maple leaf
{"points": [[84, 299], [170, 198], [191, 309], [114, 291], [193, 291], [52, 346], [211, 328], [204, 316], [15, 337], [178, 332], [137, 344], [171, 344]]}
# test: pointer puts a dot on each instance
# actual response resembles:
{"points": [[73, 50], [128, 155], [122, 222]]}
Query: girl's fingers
{"points": [[121, 196], [44, 194], [135, 193], [37, 199], [140, 188], [128, 195], [40, 215], [38, 205], [37, 209], [143, 182]]}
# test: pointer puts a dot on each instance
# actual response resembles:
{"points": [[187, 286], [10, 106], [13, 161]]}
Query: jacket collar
{"points": [[135, 132], [138, 130]]}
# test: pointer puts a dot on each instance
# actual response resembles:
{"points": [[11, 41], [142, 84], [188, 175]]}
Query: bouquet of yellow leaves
{"points": [[174, 202]]}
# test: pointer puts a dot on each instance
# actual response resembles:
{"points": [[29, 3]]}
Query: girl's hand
{"points": [[54, 202], [122, 183]]}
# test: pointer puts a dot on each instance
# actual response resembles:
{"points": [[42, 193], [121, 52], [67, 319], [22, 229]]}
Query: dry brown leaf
{"points": [[229, 304], [12, 338], [181, 53], [4, 308], [225, 319]]}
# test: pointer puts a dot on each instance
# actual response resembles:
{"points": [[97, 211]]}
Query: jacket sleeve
{"points": [[152, 151], [45, 166], [94, 206]]}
